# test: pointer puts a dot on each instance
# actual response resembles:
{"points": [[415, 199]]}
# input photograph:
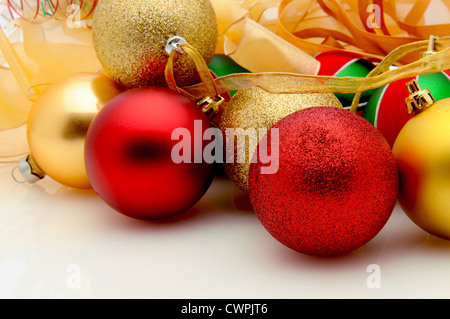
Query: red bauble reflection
{"points": [[336, 185], [128, 154]]}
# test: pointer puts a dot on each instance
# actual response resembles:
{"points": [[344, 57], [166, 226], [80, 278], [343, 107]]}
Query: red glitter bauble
{"points": [[129, 153], [336, 184]]}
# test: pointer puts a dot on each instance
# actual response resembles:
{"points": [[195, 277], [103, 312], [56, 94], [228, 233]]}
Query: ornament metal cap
{"points": [[418, 99], [29, 171], [210, 107], [174, 44]]}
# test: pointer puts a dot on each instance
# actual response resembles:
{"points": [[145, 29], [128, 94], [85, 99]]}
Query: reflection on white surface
{"points": [[57, 242]]}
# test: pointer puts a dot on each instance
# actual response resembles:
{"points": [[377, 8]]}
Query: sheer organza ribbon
{"points": [[281, 83]]}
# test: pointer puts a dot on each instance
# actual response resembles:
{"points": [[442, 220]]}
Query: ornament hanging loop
{"points": [[174, 44]]}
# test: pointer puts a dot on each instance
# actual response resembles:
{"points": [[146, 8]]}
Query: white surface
{"points": [[57, 242]]}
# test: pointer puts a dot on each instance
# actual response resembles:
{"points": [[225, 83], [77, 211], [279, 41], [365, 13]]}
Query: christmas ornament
{"points": [[133, 155], [254, 110], [345, 64], [422, 151], [336, 185], [57, 126], [386, 108], [130, 38]]}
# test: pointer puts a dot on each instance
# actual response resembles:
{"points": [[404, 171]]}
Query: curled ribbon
{"points": [[372, 28], [42, 10]]}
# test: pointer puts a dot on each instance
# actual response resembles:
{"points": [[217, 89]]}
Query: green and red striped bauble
{"points": [[341, 63], [386, 109]]}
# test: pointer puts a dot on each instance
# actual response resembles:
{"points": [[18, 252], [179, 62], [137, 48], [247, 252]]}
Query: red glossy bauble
{"points": [[336, 185], [128, 154]]}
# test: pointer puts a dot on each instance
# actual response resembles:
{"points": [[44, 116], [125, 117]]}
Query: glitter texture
{"points": [[129, 37], [256, 108], [336, 186]]}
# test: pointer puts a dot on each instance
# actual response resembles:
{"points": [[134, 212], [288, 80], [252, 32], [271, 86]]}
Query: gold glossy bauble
{"points": [[130, 37], [422, 151], [58, 123], [259, 110]]}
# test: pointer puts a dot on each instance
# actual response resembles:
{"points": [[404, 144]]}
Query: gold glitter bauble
{"points": [[130, 36], [255, 110]]}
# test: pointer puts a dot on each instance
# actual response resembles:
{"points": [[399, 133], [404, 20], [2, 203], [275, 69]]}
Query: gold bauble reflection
{"points": [[58, 123], [130, 36], [254, 108], [422, 151]]}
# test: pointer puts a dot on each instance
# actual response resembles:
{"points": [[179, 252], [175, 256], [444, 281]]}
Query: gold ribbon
{"points": [[210, 87], [279, 83]]}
